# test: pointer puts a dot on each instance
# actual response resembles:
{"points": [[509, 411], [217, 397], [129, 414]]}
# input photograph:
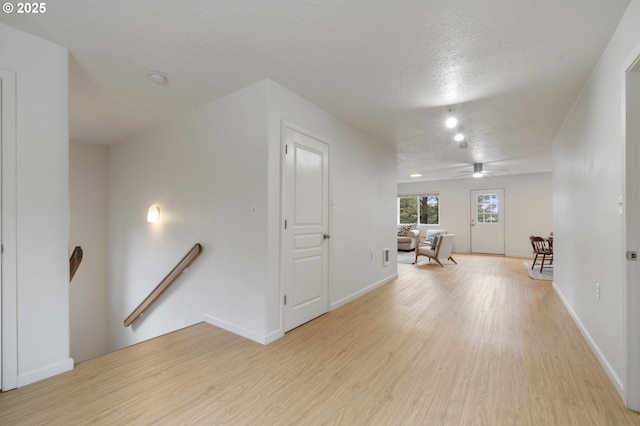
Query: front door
{"points": [[487, 221], [306, 234]]}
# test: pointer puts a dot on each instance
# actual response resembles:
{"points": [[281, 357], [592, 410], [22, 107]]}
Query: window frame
{"points": [[418, 199]]}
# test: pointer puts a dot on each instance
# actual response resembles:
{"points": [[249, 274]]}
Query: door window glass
{"points": [[487, 208]]}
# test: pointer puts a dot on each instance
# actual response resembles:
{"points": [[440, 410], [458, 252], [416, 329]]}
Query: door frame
{"points": [[285, 124], [631, 231], [8, 225], [503, 220]]}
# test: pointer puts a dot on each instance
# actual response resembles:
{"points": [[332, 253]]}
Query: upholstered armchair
{"points": [[431, 236], [442, 249]]}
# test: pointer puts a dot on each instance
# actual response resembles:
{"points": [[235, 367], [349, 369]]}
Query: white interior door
{"points": [[487, 221], [306, 234], [8, 279]]}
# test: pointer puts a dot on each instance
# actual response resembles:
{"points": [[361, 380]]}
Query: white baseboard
{"points": [[520, 255], [45, 373], [619, 385], [273, 336], [359, 293], [507, 254], [238, 330]]}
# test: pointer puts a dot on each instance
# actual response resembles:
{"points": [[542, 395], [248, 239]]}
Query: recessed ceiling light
{"points": [[157, 77], [459, 137], [415, 175]]}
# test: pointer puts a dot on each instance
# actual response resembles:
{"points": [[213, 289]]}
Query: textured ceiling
{"points": [[511, 69]]}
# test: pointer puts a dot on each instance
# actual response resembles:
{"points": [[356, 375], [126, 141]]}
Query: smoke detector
{"points": [[157, 77]]}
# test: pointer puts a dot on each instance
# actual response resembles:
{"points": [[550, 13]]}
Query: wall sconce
{"points": [[153, 215]]}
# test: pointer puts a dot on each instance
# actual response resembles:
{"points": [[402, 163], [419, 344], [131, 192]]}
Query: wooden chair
{"points": [[541, 246], [442, 250]]}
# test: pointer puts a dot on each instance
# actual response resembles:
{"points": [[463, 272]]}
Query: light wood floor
{"points": [[473, 343]]}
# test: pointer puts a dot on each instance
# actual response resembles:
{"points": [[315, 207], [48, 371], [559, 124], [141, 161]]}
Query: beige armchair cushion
{"points": [[431, 234]]}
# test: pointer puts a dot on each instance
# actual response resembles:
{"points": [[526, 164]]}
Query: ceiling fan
{"points": [[479, 171]]}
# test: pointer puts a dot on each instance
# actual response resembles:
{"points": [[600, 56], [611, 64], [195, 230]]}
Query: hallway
{"points": [[473, 343]]}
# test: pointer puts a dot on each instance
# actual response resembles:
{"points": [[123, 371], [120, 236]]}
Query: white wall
{"points": [[528, 207], [205, 168], [88, 229], [42, 203], [363, 187], [589, 156]]}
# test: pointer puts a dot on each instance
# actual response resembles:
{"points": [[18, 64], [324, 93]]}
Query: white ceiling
{"points": [[511, 69]]}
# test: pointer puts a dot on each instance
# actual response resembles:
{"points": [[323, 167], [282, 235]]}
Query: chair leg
{"points": [[534, 261], [451, 259], [439, 263], [542, 264]]}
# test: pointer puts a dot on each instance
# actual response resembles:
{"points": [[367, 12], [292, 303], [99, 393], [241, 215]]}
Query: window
{"points": [[408, 210], [487, 208], [421, 209]]}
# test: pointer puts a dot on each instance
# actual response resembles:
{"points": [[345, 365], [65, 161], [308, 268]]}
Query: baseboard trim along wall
{"points": [[45, 373], [259, 338], [359, 293], [275, 335], [594, 347]]}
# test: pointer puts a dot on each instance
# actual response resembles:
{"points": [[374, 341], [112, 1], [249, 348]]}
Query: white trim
{"points": [[633, 59], [240, 331], [418, 194], [520, 255], [273, 336], [8, 282], [45, 373], [365, 290], [594, 347], [630, 232]]}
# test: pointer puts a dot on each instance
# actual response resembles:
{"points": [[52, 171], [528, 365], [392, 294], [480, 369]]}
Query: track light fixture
{"points": [[451, 120]]}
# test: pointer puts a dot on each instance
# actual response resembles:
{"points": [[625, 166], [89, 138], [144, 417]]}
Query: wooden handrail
{"points": [[74, 261], [165, 283]]}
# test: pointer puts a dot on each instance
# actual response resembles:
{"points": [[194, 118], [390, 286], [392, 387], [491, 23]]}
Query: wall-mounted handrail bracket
{"points": [[74, 261], [165, 283]]}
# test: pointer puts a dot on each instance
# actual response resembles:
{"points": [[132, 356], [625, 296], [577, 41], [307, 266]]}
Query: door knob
{"points": [[326, 236]]}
